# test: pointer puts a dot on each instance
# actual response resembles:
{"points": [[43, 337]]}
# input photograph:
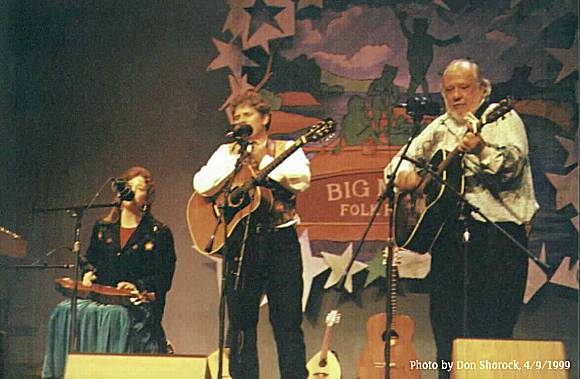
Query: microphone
{"points": [[421, 106], [121, 187], [240, 132]]}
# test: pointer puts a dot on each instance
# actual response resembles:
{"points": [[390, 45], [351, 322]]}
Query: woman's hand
{"points": [[88, 278], [127, 286]]}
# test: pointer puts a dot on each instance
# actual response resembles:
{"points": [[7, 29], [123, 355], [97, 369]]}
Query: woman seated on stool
{"points": [[129, 250]]}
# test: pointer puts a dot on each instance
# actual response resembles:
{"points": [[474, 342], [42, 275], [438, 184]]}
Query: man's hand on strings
{"points": [[472, 142]]}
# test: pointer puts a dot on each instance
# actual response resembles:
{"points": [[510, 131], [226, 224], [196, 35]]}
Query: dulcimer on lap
{"points": [[103, 294]]}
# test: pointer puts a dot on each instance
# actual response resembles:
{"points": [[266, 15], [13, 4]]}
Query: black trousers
{"points": [[495, 284], [272, 265]]}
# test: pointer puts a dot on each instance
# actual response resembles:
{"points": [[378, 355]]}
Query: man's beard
{"points": [[459, 118]]}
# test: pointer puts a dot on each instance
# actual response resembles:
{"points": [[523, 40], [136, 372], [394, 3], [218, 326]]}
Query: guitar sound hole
{"points": [[394, 336], [323, 363]]}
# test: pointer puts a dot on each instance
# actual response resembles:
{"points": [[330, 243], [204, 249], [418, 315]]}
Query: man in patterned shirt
{"points": [[498, 181]]}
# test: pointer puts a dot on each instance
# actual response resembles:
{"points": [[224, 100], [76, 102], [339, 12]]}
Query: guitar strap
{"points": [[482, 108]]}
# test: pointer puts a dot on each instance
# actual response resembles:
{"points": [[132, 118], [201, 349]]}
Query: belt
{"points": [[260, 228]]}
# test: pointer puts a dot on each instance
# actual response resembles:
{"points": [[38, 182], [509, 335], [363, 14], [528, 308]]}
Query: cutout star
{"points": [[238, 19], [566, 275], [566, 187], [337, 264], [568, 58], [262, 14], [376, 268], [230, 55], [572, 148], [537, 278], [268, 22], [312, 267]]}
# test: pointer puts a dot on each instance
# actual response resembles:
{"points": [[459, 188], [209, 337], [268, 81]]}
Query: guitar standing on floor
{"points": [[324, 364], [372, 363]]}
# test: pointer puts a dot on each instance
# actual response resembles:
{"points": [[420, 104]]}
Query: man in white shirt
{"points": [[271, 261], [498, 181]]}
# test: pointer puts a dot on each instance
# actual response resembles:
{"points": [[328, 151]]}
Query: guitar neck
{"points": [[498, 112], [260, 176], [394, 279], [325, 342]]}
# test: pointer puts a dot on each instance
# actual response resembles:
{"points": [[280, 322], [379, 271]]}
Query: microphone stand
{"points": [[227, 191], [76, 211], [387, 193]]}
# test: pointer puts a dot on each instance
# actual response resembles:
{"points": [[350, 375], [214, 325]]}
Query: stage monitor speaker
{"points": [[129, 366], [506, 359]]}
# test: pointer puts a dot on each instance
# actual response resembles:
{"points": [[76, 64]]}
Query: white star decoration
{"points": [[568, 58], [230, 55], [566, 187], [312, 267], [337, 264], [537, 278], [566, 275]]}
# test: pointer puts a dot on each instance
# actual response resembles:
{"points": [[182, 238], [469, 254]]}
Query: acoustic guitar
{"points": [[324, 364], [204, 214], [372, 363], [419, 215], [103, 294]]}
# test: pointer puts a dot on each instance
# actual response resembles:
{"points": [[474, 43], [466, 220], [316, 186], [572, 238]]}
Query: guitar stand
{"points": [[464, 216]]}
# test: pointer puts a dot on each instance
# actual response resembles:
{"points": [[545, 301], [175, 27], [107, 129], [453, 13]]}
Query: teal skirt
{"points": [[101, 329]]}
